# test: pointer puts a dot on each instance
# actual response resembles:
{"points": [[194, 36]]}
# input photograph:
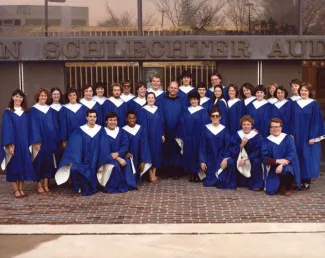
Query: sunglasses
{"points": [[215, 116]]}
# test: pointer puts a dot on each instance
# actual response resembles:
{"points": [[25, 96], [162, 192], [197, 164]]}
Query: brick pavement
{"points": [[167, 202]]}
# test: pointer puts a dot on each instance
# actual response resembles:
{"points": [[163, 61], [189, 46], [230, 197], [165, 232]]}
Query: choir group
{"points": [[227, 137]]}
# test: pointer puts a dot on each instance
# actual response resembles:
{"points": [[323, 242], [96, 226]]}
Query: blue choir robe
{"points": [[57, 108], [99, 100], [118, 141], [14, 130], [139, 147], [307, 123], [118, 106], [282, 110], [160, 96], [261, 112], [136, 105], [153, 121], [248, 102], [79, 161], [172, 111], [253, 152], [221, 104], [92, 104], [72, 116], [183, 95], [127, 98], [294, 98], [235, 112], [114, 178], [210, 92], [279, 147], [207, 103], [214, 147], [193, 122], [272, 100], [44, 129]]}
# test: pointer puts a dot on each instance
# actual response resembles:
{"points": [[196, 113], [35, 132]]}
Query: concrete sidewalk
{"points": [[282, 245], [170, 240]]}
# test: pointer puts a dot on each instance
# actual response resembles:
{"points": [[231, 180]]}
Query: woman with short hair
{"points": [[235, 109], [246, 150]]}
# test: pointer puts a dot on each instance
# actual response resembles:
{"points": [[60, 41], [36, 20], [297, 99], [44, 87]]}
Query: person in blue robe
{"points": [[185, 89], [140, 101], [307, 126], [294, 86], [221, 104], [72, 116], [247, 93], [280, 160], [153, 123], [246, 150], [126, 95], [14, 153], [44, 140], [282, 109], [270, 94], [214, 154], [216, 80], [79, 161], [173, 112], [205, 101], [117, 140], [100, 94], [115, 104], [260, 110], [88, 101], [157, 89], [138, 151], [55, 102], [235, 109], [193, 121]]}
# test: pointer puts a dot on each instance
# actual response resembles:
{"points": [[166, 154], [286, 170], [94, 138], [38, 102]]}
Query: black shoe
{"points": [[176, 177], [197, 179], [304, 187], [191, 178]]}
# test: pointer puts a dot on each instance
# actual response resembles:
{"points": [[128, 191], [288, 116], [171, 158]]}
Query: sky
{"points": [[97, 10]]}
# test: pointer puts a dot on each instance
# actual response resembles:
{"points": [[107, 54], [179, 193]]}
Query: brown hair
{"points": [[69, 91], [23, 105], [268, 94], [248, 119], [295, 81], [127, 82], [281, 88], [308, 86], [214, 110], [116, 85], [38, 93], [275, 120], [139, 85], [235, 87], [249, 86]]}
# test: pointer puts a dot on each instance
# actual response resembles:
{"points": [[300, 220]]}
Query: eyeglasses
{"points": [[126, 85], [275, 127], [215, 116]]}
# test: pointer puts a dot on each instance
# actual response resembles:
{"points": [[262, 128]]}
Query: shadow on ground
{"points": [[13, 245]]}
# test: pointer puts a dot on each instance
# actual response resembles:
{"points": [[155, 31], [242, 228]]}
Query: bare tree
{"points": [[313, 16], [193, 13], [125, 18]]}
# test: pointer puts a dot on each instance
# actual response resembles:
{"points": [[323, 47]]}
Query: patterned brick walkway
{"points": [[167, 202]]}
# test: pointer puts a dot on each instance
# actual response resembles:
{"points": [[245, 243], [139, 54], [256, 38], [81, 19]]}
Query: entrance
{"points": [[78, 74]]}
